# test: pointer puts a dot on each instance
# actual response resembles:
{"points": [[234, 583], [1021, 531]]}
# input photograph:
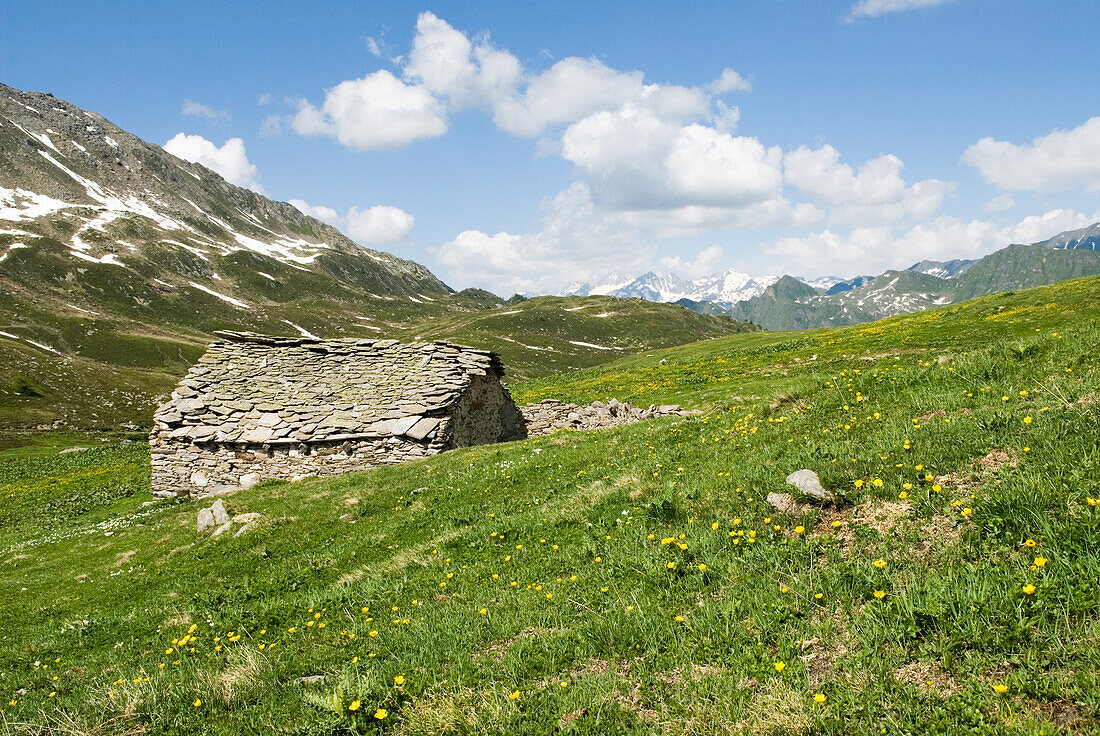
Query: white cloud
{"points": [[271, 126], [729, 81], [582, 241], [1062, 159], [371, 226], [378, 111], [322, 213], [449, 65], [230, 160], [474, 73], [447, 69], [1000, 203], [504, 263], [726, 118], [194, 109], [871, 250], [707, 263], [875, 8], [875, 194], [374, 47], [378, 224], [567, 91], [636, 160], [576, 242]]}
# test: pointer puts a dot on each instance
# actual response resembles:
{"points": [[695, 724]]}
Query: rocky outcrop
{"points": [[550, 415]]}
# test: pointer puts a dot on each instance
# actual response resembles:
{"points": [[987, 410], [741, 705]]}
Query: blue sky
{"points": [[520, 146]]}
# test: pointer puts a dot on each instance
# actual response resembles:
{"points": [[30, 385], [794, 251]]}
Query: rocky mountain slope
{"points": [[790, 304], [1087, 238], [119, 260]]}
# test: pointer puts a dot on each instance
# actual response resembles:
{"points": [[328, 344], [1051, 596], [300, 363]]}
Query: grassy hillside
{"points": [[619, 580], [551, 334], [92, 370]]}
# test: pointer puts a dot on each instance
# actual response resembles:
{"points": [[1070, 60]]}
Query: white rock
{"points": [[222, 529], [205, 521], [220, 514], [249, 479], [809, 484]]}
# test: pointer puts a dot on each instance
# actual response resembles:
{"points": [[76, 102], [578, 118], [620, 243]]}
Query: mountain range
{"points": [[788, 302], [724, 290]]}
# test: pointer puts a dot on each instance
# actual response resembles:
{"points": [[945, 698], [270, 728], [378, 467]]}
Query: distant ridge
{"points": [[923, 285], [1087, 238]]}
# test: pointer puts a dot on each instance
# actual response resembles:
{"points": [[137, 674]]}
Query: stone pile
{"points": [[550, 415], [217, 518]]}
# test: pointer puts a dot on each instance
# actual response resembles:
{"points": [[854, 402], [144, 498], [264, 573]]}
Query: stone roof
{"points": [[253, 388]]}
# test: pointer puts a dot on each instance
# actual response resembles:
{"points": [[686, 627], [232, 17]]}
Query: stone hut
{"points": [[257, 407]]}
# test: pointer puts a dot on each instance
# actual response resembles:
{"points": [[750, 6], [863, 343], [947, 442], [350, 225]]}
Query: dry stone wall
{"points": [[550, 415], [196, 470]]}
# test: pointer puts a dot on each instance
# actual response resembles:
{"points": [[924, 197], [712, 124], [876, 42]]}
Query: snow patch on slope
{"points": [[223, 297]]}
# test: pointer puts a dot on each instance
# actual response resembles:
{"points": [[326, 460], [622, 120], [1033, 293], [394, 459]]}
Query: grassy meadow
{"points": [[613, 581]]}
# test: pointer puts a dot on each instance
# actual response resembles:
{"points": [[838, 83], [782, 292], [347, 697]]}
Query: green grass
{"points": [[618, 563]]}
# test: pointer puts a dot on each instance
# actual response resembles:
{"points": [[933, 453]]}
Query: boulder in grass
{"points": [[220, 514], [205, 520], [807, 482]]}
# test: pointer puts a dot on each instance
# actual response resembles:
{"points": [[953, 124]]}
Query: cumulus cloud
{"points": [[448, 70], [378, 224], [875, 249], [1000, 203], [729, 81], [370, 226], [542, 262], [875, 8], [581, 240], [378, 111], [194, 109], [447, 63], [567, 91], [874, 194], [707, 263], [636, 160], [230, 160], [322, 213], [1062, 159]]}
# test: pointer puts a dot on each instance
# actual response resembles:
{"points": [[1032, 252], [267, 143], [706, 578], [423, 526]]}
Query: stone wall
{"points": [[181, 468], [550, 415], [485, 413]]}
